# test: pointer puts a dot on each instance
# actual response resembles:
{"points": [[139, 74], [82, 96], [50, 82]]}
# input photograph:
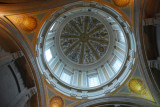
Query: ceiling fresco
{"points": [[84, 40]]}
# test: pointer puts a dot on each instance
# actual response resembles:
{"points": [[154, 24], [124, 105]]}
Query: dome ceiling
{"points": [[85, 51], [82, 41]]}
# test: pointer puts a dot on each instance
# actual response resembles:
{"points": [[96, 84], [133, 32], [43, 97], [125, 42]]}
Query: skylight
{"points": [[48, 55]]}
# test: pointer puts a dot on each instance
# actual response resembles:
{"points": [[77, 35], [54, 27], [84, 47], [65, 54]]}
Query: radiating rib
{"points": [[95, 29], [69, 36], [99, 40], [93, 50], [75, 26], [86, 24], [82, 54], [72, 47]]}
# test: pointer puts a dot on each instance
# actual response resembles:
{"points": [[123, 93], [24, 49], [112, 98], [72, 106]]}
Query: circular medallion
{"points": [[136, 86], [27, 23], [56, 101]]}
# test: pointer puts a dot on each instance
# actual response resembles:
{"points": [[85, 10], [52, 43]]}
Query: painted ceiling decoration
{"points": [[29, 24], [26, 23], [56, 101], [84, 40], [122, 3], [67, 101], [136, 86]]}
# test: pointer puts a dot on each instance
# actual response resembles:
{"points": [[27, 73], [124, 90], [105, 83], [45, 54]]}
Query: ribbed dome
{"points": [[84, 50]]}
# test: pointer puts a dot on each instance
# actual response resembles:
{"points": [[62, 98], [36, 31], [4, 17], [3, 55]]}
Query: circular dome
{"points": [[85, 50]]}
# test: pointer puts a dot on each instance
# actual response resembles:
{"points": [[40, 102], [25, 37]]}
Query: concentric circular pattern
{"points": [[121, 3], [136, 86], [86, 50], [84, 40]]}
